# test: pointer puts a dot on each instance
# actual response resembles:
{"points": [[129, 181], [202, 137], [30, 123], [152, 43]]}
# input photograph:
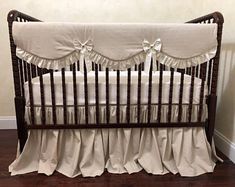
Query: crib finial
{"points": [[12, 15], [219, 17]]}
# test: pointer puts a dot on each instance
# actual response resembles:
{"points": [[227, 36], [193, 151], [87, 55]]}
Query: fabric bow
{"points": [[151, 51], [84, 49]]}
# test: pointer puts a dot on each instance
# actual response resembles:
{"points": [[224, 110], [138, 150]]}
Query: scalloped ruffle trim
{"points": [[104, 61]]}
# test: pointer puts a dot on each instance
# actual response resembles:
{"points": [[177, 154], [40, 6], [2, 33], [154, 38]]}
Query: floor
{"points": [[223, 176]]}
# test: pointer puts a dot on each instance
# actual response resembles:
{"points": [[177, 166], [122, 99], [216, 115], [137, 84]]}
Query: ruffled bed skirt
{"points": [[89, 152]]}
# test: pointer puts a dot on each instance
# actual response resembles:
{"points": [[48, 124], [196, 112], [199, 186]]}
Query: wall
{"points": [[129, 11]]}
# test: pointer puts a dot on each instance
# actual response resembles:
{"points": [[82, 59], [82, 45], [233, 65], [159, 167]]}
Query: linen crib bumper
{"points": [[118, 47], [112, 97]]}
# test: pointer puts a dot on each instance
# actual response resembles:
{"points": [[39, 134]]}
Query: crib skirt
{"points": [[89, 152]]}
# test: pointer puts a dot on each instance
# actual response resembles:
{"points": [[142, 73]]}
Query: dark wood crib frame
{"points": [[23, 72]]}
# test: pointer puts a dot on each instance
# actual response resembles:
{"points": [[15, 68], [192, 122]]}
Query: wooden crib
{"points": [[25, 73]]}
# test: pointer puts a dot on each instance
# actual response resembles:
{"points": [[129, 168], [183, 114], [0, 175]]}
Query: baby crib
{"points": [[99, 96]]}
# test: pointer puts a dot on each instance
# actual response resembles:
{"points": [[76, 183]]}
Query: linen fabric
{"points": [[114, 45]]}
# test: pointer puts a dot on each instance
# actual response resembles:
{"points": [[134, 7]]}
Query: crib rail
{"points": [[25, 73], [121, 125]]}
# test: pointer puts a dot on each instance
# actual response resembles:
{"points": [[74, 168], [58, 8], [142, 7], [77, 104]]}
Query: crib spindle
{"points": [[202, 75], [197, 71], [53, 97], [139, 93], [75, 94], [86, 94], [31, 101], [135, 68], [64, 95], [43, 117], [33, 70], [170, 94], [181, 94], [157, 65], [21, 77], [160, 94], [118, 97], [150, 91], [209, 74], [93, 66], [190, 71], [107, 96], [164, 67], [97, 93], [25, 71], [186, 70], [191, 95], [128, 95], [71, 67]]}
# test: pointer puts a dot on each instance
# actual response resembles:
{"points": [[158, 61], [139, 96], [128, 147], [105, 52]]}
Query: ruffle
{"points": [[182, 63], [55, 64], [113, 114], [117, 64], [106, 62], [90, 152]]}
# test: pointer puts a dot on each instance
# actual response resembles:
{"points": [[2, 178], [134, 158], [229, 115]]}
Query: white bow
{"points": [[151, 52], [84, 49]]}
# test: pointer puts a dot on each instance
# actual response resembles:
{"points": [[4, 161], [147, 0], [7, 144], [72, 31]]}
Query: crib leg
{"points": [[211, 116], [21, 126]]}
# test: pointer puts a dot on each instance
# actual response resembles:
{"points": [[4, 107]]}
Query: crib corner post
{"points": [[212, 99], [12, 16], [20, 122]]}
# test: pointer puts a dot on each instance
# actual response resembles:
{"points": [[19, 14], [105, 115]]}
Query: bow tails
{"points": [[84, 49], [151, 51]]}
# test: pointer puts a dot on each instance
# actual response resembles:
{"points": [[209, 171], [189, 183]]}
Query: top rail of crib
{"points": [[217, 17]]}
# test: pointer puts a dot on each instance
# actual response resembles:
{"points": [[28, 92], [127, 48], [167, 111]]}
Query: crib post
{"points": [[212, 99], [213, 96], [20, 122], [19, 100]]}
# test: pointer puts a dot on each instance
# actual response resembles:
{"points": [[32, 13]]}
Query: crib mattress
{"points": [[113, 87]]}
